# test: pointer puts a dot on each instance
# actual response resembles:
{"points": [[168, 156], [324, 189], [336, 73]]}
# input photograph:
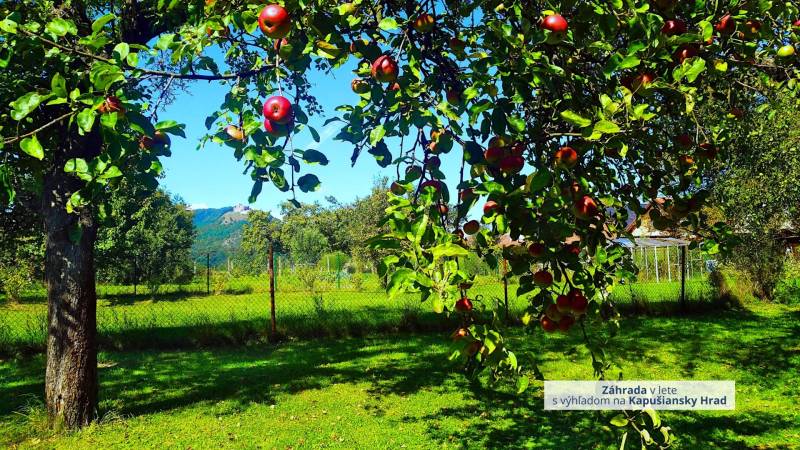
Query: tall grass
{"points": [[183, 316]]}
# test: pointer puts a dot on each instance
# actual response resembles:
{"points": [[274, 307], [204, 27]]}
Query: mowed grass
{"points": [[400, 392], [186, 320]]}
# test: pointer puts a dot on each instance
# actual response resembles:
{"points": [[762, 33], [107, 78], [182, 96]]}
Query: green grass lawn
{"points": [[399, 392], [181, 319]]}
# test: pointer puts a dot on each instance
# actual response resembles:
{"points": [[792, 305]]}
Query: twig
{"points": [[48, 124]]}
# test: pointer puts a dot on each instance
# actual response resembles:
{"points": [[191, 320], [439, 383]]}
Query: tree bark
{"points": [[71, 375]]}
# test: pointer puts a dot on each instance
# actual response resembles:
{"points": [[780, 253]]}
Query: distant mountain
{"points": [[219, 233]]}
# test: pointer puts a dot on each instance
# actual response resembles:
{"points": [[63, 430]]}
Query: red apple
{"points": [[537, 249], [511, 164], [684, 140], [641, 81], [673, 27], [274, 21], [460, 333], [548, 325], [490, 207], [397, 188], [753, 26], [726, 24], [454, 97], [424, 23], [572, 249], [492, 155], [543, 279], [278, 109], [585, 208], [578, 303], [443, 209], [467, 195], [394, 87], [463, 305], [235, 133], [472, 227], [457, 45], [563, 304], [278, 129], [685, 52], [553, 313], [385, 69], [566, 323], [707, 151], [555, 23], [518, 149], [359, 86], [566, 157]]}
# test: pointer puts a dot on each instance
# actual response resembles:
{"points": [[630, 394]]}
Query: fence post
{"points": [[655, 257], [505, 285], [271, 271], [683, 277], [208, 273]]}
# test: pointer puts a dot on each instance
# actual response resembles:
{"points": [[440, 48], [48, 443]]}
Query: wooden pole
{"points": [[208, 273], [271, 271], [505, 285]]}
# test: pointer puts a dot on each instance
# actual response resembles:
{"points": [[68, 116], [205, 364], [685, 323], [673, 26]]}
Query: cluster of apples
{"points": [[562, 314], [504, 157]]}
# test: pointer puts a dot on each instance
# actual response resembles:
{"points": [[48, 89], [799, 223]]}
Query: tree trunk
{"points": [[71, 377]]}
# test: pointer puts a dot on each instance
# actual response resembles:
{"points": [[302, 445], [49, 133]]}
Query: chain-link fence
{"points": [[219, 307]]}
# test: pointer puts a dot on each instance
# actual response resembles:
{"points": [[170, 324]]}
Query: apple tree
{"points": [[562, 113]]}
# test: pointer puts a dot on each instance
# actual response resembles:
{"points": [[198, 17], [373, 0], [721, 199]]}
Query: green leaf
{"points": [[388, 24], [76, 165], [575, 119], [628, 62], [698, 66], [605, 127], [61, 27], [619, 420], [308, 183], [448, 250], [539, 180], [517, 123], [315, 157], [171, 127], [121, 51], [522, 384], [376, 135], [26, 104], [8, 26], [100, 22], [654, 417], [165, 41], [59, 86], [32, 147], [401, 278], [85, 120], [111, 172], [6, 186]]}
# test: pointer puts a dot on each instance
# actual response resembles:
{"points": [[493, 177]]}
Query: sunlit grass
{"points": [[400, 391]]}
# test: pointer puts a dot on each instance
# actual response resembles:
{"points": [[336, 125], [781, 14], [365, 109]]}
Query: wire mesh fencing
{"points": [[218, 307]]}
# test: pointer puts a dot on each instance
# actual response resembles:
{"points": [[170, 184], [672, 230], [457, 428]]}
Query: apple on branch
{"points": [[274, 21]]}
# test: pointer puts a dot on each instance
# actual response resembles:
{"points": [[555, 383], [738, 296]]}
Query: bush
{"points": [[15, 279], [762, 261]]}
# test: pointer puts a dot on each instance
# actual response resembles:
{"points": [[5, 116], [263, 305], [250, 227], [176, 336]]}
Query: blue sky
{"points": [[212, 177]]}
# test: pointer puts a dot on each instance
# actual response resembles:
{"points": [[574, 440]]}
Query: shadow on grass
{"points": [[134, 384]]}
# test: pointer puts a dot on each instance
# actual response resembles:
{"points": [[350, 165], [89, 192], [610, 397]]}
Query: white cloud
{"points": [[195, 206]]}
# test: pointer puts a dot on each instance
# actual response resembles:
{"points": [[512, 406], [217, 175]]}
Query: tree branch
{"points": [[158, 73], [41, 128]]}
